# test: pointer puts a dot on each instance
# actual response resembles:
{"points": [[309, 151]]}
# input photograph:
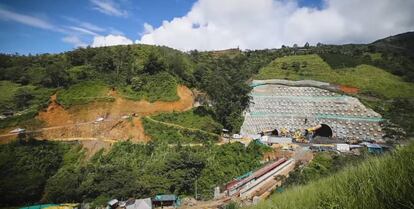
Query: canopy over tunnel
{"points": [[324, 131]]}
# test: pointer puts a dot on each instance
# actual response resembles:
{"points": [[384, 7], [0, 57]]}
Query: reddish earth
{"points": [[55, 114], [93, 146], [349, 89], [78, 121], [277, 154]]}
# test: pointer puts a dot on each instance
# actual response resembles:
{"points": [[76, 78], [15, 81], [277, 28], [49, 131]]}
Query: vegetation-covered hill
{"points": [[136, 72], [197, 118], [300, 67]]}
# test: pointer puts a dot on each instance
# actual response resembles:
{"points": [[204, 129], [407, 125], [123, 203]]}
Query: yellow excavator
{"points": [[299, 137], [312, 130], [305, 137]]}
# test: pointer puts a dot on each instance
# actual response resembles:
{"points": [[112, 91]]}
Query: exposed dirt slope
{"points": [[78, 121]]}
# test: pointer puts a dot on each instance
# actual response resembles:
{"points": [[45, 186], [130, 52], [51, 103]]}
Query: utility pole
{"points": [[196, 189]]}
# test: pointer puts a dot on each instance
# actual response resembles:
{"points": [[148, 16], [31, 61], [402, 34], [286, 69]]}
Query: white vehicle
{"points": [[100, 119], [237, 136], [18, 131]]}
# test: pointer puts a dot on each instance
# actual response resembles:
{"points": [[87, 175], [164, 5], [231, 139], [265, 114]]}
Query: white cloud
{"points": [[72, 34], [82, 30], [109, 7], [25, 19], [148, 28], [253, 24], [91, 27], [75, 40], [110, 40]]}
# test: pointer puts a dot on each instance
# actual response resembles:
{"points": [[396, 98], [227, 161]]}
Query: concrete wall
{"points": [[293, 108]]}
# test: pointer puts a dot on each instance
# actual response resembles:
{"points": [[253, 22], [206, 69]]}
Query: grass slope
{"points": [[159, 87], [366, 77], [24, 112], [383, 182], [175, 134], [196, 118], [83, 93], [7, 91]]}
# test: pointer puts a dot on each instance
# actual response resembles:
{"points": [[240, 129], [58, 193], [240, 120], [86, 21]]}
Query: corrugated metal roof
{"points": [[141, 204], [374, 146], [113, 202], [259, 173], [169, 197]]}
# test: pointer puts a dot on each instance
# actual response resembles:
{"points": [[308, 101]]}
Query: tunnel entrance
{"points": [[324, 131], [273, 132]]}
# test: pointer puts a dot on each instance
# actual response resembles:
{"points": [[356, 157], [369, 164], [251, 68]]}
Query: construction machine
{"points": [[299, 137], [306, 135]]}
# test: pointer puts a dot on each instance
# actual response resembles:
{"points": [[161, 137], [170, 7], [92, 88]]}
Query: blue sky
{"points": [[52, 26], [24, 38]]}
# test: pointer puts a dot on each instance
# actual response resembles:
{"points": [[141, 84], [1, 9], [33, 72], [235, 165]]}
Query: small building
{"points": [[140, 204], [113, 203], [321, 147], [166, 200], [374, 148], [237, 136], [269, 140], [343, 147]]}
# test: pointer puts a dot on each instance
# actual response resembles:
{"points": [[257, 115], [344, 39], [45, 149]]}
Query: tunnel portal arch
{"points": [[324, 131]]}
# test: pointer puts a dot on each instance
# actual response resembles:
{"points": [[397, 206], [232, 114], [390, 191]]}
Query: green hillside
{"points": [[159, 87], [198, 118], [368, 78], [83, 92], [383, 182]]}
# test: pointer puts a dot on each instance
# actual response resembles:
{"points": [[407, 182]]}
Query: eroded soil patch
{"points": [[80, 121]]}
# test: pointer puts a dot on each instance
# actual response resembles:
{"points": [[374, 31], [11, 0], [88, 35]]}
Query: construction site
{"points": [[289, 116], [281, 113], [305, 109]]}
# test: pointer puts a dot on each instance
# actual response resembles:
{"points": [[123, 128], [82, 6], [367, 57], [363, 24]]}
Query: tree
{"points": [[103, 60], [295, 48], [123, 61], [153, 64], [56, 76], [179, 67], [306, 45], [304, 64], [296, 66], [137, 83], [23, 96], [284, 66]]}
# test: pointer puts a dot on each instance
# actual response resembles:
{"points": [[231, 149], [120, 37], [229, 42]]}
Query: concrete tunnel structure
{"points": [[290, 105]]}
